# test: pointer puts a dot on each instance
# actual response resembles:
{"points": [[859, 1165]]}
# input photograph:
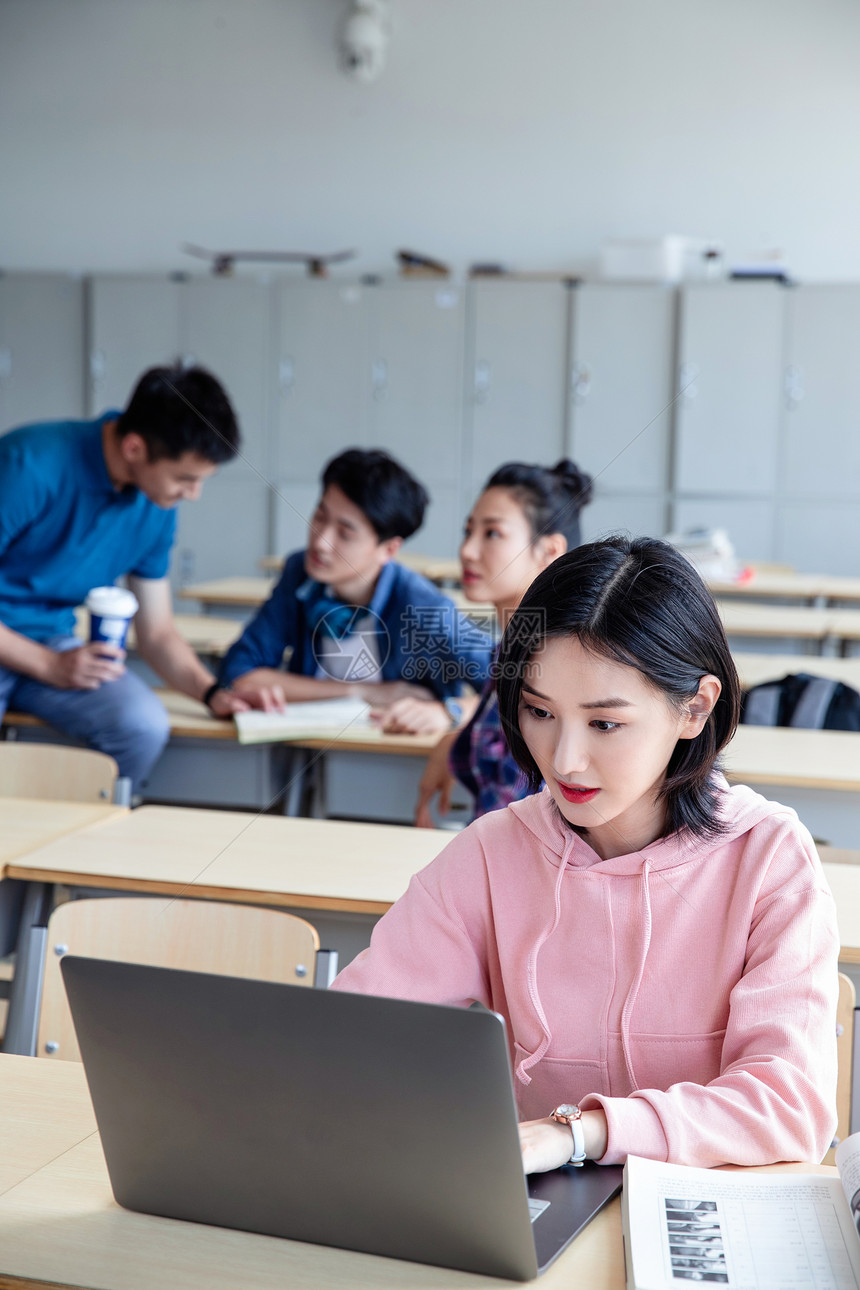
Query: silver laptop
{"points": [[342, 1119]]}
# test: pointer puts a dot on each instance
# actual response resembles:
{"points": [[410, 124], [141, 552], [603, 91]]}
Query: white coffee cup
{"points": [[111, 611]]}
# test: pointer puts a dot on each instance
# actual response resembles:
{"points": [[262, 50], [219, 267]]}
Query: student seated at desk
{"points": [[663, 947], [356, 621], [83, 503], [525, 517]]}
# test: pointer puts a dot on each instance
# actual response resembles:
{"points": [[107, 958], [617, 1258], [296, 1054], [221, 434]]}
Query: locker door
{"points": [[224, 327], [416, 410], [41, 348], [821, 419], [621, 365], [729, 379], [515, 374], [322, 374], [133, 325]]}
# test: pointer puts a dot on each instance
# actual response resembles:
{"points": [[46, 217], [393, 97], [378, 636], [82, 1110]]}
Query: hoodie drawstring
{"points": [[532, 1059], [634, 989]]}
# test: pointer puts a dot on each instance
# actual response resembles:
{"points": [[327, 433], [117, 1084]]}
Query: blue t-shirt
{"points": [[65, 529]]}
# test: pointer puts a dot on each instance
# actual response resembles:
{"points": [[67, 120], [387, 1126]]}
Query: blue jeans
{"points": [[123, 717]]}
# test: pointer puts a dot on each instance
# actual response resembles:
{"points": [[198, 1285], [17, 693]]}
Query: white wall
{"points": [[518, 130]]}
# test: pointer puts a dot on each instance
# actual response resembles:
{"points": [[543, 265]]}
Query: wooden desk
{"points": [[771, 621], [753, 669], [241, 593], [227, 855], [436, 568], [204, 633], [59, 1223], [348, 874], [27, 824], [817, 772], [811, 588]]}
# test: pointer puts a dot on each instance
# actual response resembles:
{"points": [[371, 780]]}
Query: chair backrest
{"points": [[198, 935], [54, 772], [845, 1058]]}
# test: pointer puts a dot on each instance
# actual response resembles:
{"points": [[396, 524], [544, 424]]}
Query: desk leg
{"points": [[22, 1021]]}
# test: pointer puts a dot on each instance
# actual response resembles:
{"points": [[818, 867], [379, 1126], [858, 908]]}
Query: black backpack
{"points": [[804, 701]]}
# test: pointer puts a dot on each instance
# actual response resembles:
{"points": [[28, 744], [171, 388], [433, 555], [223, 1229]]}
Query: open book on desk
{"points": [[303, 720], [746, 1230]]}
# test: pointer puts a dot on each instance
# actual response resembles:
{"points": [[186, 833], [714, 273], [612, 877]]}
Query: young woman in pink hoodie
{"points": [[662, 947]]}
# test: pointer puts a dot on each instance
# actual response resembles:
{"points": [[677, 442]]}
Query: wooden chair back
{"points": [[845, 1057], [54, 772], [197, 935]]}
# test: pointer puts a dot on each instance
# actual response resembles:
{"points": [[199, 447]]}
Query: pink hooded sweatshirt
{"points": [[688, 989]]}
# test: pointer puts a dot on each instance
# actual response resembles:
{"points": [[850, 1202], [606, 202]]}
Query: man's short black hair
{"points": [[391, 500], [181, 409]]}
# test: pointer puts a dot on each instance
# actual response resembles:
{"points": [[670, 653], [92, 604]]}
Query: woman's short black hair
{"points": [[639, 602], [551, 498], [181, 409], [391, 500]]}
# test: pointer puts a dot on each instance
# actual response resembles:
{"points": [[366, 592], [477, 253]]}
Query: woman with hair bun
{"points": [[525, 517]]}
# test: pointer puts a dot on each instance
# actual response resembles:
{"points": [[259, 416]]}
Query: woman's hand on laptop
{"points": [[546, 1144]]}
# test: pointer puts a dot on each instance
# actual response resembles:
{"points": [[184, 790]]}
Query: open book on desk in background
{"points": [[303, 720], [747, 1231]]}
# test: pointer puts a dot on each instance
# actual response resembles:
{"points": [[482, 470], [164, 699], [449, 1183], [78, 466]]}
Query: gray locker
{"points": [[729, 377], [748, 521], [133, 325], [416, 395], [41, 348], [225, 532], [321, 375], [816, 536], [628, 513], [516, 364], [621, 369], [225, 327], [821, 420]]}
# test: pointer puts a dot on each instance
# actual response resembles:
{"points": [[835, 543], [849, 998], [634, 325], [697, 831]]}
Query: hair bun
{"points": [[576, 481]]}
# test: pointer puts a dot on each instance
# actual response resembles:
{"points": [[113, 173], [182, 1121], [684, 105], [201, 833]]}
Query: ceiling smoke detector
{"points": [[364, 39]]}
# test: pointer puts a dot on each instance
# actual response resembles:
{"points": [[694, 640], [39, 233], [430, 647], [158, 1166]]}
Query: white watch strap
{"points": [[578, 1156]]}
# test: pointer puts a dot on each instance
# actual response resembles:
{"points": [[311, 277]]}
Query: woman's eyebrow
{"points": [[614, 702]]}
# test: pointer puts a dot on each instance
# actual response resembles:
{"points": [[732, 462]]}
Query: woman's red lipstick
{"points": [[571, 794]]}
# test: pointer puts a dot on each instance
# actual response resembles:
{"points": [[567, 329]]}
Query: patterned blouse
{"points": [[481, 760]]}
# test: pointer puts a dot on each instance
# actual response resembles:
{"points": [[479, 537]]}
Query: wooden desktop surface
{"points": [[60, 1226], [436, 568], [753, 669], [227, 855], [249, 592], [26, 824], [788, 586], [820, 759]]}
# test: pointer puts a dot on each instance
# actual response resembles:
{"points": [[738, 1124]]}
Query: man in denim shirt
{"points": [[354, 620]]}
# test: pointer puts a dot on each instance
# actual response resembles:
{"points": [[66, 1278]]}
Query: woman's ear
{"points": [[700, 707], [551, 546]]}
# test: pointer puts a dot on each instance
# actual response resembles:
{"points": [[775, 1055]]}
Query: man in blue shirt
{"points": [[81, 504], [354, 620]]}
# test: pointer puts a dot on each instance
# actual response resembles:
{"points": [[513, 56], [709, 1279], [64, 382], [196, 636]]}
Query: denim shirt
{"points": [[420, 634]]}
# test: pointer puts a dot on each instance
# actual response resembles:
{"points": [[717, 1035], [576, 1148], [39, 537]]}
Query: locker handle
{"points": [[97, 364], [483, 375], [580, 382], [286, 374], [379, 379], [793, 386]]}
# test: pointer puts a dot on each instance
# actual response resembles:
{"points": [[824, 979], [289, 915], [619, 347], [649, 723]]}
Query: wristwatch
{"points": [[572, 1117]]}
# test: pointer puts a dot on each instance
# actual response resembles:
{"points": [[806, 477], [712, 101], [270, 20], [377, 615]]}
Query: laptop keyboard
{"points": [[537, 1207]]}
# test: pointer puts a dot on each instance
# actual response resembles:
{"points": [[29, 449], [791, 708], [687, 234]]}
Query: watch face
{"points": [[567, 1111]]}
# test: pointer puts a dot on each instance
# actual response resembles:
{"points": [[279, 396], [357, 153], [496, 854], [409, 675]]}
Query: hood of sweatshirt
{"points": [[740, 809]]}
